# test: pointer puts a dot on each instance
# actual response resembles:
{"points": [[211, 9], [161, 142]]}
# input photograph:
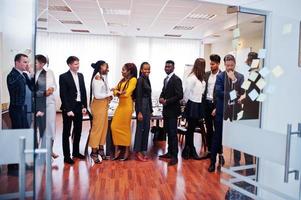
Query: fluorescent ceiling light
{"points": [[201, 16], [118, 25], [109, 11], [80, 31], [70, 22]]}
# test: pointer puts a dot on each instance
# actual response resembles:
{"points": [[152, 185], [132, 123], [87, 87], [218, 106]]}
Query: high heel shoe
{"points": [[221, 160], [117, 155], [125, 155], [102, 154], [95, 158], [140, 157]]}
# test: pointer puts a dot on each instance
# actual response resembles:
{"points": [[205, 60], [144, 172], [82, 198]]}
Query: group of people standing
{"points": [[205, 96]]}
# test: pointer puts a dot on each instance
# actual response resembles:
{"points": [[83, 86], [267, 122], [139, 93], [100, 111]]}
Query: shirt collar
{"points": [[170, 75], [73, 73], [19, 70]]}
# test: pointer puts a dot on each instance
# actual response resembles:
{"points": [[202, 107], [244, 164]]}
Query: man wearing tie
{"points": [[227, 96], [74, 105], [172, 93], [17, 80]]}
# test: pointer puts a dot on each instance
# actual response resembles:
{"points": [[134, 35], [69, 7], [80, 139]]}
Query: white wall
{"points": [[117, 51], [283, 106], [17, 24]]}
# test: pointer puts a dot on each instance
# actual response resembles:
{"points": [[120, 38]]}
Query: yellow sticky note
{"points": [[261, 83], [253, 76], [277, 71], [255, 63], [246, 84], [287, 29], [240, 115], [261, 97]]}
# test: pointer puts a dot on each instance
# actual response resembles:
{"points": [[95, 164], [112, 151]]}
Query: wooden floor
{"points": [[125, 179]]}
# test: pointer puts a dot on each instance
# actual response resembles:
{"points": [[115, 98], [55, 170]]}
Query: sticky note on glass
{"points": [[261, 97], [271, 89], [262, 53], [261, 83], [236, 33], [287, 29], [277, 71], [240, 115], [255, 63], [264, 72], [253, 94], [246, 84], [233, 95], [235, 43], [253, 76]]}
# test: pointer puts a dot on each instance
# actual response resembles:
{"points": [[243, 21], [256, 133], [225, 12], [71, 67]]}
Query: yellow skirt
{"points": [[99, 109], [121, 123]]}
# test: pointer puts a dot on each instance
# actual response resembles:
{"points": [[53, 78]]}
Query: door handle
{"points": [[287, 171]]}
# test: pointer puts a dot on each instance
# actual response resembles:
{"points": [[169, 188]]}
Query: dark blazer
{"points": [[222, 92], [173, 93], [207, 75], [16, 83], [68, 92], [40, 90], [143, 90]]}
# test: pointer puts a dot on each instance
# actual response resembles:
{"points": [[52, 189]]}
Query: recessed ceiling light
{"points": [[185, 28], [70, 22], [42, 20], [172, 35], [113, 24], [109, 11], [59, 8], [201, 16], [80, 31]]}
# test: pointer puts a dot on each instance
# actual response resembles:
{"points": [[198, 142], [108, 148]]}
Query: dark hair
{"points": [[199, 68], [133, 72], [41, 58], [96, 66], [215, 58], [229, 57], [251, 56], [141, 67], [19, 56], [72, 59], [170, 62]]}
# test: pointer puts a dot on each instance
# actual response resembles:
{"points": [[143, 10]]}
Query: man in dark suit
{"points": [[74, 105], [210, 78], [17, 81], [227, 94], [170, 97]]}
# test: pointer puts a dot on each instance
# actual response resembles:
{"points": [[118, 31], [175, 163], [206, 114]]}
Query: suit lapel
{"points": [[170, 80], [72, 81]]}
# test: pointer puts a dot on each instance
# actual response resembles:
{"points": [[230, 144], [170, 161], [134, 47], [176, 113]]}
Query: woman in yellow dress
{"points": [[121, 123]]}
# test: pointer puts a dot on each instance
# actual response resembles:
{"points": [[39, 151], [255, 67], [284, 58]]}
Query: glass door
{"points": [[259, 124]]}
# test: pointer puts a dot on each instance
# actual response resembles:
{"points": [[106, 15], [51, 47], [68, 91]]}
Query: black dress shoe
{"points": [[79, 156], [167, 155], [211, 168], [185, 153], [68, 161], [221, 160], [173, 162]]}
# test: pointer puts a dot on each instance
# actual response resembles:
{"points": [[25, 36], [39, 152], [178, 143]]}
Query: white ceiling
{"points": [[150, 18]]}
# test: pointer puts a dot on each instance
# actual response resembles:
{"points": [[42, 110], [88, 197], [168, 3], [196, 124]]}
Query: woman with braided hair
{"points": [[121, 123]]}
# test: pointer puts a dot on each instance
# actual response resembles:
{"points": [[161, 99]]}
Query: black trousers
{"points": [[170, 127], [192, 124], [209, 122], [217, 139], [77, 130], [18, 116], [237, 157]]}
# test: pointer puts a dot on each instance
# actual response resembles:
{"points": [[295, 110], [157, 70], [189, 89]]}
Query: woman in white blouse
{"points": [[99, 108], [193, 94], [50, 98]]}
